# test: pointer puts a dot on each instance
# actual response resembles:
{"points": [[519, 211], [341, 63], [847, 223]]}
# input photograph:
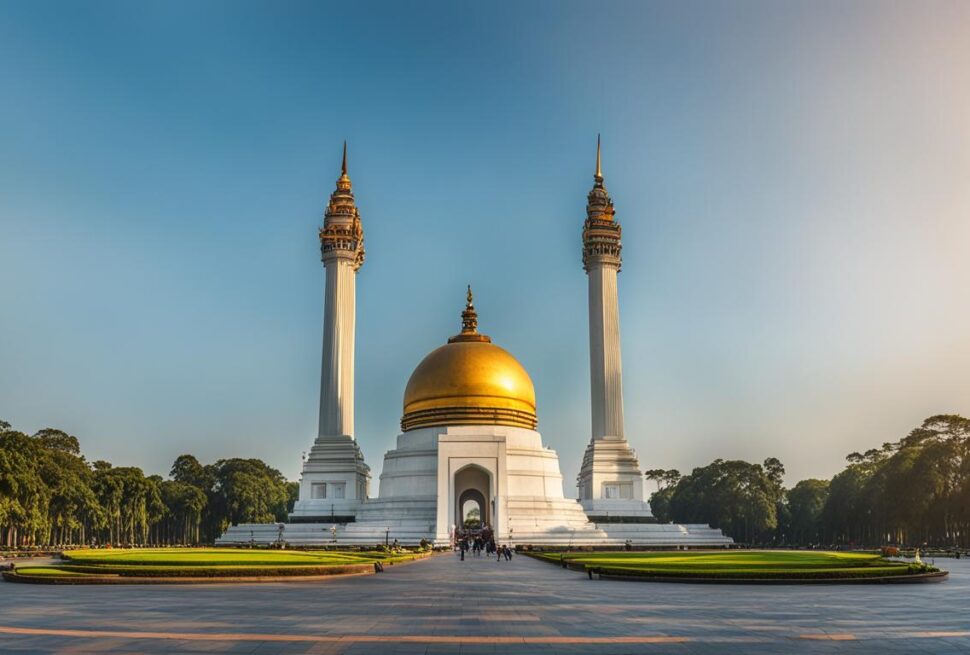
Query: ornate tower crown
{"points": [[342, 235], [601, 232]]}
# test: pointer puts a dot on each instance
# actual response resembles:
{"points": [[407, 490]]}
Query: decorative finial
{"points": [[469, 317], [599, 167], [343, 182], [469, 323]]}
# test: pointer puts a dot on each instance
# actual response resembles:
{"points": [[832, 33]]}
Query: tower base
{"points": [[611, 484], [334, 481]]}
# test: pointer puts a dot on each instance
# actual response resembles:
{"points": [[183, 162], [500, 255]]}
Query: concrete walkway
{"points": [[443, 605]]}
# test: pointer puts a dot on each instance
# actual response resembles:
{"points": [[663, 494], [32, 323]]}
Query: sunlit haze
{"points": [[793, 182]]}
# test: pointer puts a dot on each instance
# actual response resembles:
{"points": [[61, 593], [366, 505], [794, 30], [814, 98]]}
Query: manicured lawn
{"points": [[211, 562], [770, 564], [217, 557], [46, 571]]}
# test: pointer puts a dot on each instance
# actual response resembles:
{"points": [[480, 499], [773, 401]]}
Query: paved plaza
{"points": [[443, 605]]}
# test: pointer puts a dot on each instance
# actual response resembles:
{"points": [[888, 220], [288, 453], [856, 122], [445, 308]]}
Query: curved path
{"points": [[443, 605]]}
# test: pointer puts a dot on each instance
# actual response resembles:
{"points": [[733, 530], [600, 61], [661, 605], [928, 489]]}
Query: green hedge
{"points": [[741, 574], [270, 562], [214, 571], [215, 558], [746, 565]]}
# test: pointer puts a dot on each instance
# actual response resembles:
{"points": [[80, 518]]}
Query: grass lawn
{"points": [[46, 571], [211, 562], [747, 564], [218, 557]]}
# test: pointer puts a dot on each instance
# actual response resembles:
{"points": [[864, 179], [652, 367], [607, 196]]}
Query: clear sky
{"points": [[793, 181]]}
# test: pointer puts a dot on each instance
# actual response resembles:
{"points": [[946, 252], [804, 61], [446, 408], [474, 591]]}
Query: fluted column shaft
{"points": [[606, 370], [339, 316]]}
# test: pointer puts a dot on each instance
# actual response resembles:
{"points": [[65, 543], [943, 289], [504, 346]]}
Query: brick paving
{"points": [[481, 606]]}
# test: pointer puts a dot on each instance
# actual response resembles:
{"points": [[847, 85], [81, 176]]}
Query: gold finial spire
{"points": [[343, 182], [469, 322], [469, 317], [598, 176], [599, 167]]}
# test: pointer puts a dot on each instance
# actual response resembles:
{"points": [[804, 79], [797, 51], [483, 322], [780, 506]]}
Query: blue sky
{"points": [[792, 180]]}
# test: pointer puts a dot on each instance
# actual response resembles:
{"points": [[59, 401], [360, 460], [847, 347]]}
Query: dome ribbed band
{"points": [[441, 416]]}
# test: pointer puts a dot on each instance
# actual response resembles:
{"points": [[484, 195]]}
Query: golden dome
{"points": [[469, 381]]}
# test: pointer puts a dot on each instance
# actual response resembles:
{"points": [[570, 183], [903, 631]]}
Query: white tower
{"points": [[335, 478], [610, 482]]}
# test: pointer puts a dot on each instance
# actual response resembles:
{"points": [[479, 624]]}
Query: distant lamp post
{"points": [[387, 536]]}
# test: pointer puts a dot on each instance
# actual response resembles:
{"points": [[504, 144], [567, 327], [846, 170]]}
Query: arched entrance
{"points": [[473, 487], [472, 509]]}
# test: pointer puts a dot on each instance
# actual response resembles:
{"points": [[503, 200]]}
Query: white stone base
{"points": [[612, 535], [333, 460], [610, 463], [617, 510], [432, 468]]}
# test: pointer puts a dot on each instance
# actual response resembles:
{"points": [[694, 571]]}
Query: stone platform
{"points": [[606, 535], [514, 477]]}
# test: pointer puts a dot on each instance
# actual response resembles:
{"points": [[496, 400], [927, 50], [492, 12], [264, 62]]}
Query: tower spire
{"points": [[598, 176], [342, 234], [601, 232]]}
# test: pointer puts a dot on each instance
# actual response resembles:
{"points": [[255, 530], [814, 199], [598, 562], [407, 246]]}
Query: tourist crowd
{"points": [[479, 542]]}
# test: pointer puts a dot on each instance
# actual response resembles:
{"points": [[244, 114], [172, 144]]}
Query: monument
{"points": [[468, 429], [610, 481], [335, 479]]}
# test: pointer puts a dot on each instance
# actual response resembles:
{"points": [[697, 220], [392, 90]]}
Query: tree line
{"points": [[912, 491], [50, 494]]}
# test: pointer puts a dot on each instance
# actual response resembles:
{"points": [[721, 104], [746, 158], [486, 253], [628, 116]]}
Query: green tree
{"points": [[58, 440], [24, 496], [911, 491], [660, 499], [50, 494], [249, 491], [806, 500], [738, 497]]}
